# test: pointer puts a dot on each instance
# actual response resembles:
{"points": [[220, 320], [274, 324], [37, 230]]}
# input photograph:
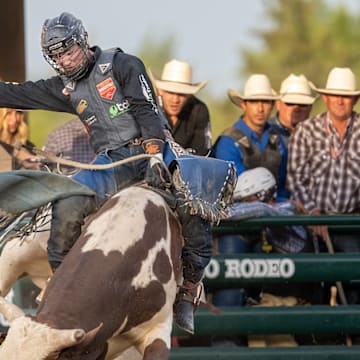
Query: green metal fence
{"points": [[242, 270]]}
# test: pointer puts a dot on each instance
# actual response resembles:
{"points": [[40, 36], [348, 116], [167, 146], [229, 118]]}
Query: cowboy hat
{"points": [[341, 81], [296, 90], [257, 87], [177, 77]]}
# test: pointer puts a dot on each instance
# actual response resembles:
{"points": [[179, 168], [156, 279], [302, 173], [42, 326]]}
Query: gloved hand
{"points": [[156, 174]]}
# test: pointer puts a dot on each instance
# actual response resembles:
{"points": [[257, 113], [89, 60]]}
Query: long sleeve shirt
{"points": [[324, 171], [192, 130]]}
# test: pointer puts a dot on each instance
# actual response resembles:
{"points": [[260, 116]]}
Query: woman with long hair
{"points": [[14, 131], [13, 127]]}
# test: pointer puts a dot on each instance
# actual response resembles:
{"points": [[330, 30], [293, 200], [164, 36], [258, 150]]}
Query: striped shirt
{"points": [[323, 172]]}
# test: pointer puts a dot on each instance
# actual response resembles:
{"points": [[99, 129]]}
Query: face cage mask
{"points": [[78, 72]]}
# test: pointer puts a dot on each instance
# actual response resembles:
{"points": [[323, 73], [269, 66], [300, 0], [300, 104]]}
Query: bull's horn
{"points": [[62, 339], [10, 310], [90, 335]]}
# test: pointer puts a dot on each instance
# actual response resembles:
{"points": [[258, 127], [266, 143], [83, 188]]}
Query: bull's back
{"points": [[122, 271]]}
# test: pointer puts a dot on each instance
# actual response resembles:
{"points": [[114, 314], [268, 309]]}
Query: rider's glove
{"points": [[156, 174]]}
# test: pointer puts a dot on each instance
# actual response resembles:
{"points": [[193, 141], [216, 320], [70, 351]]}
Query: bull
{"points": [[115, 289]]}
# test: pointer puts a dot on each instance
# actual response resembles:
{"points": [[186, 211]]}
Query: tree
{"points": [[307, 37], [155, 53]]}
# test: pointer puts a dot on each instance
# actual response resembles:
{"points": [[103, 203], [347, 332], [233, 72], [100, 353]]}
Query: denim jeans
{"points": [[68, 214], [107, 182]]}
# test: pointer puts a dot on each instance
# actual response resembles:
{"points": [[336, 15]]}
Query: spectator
{"points": [[70, 141], [14, 132], [252, 142], [188, 116], [323, 168], [255, 196], [293, 106]]}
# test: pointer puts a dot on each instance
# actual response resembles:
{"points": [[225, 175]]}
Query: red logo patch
{"points": [[106, 89]]}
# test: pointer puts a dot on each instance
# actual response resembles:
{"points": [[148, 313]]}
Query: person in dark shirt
{"points": [[111, 93], [188, 116]]}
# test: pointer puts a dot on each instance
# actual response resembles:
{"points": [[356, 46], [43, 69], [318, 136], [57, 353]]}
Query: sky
{"points": [[209, 34]]}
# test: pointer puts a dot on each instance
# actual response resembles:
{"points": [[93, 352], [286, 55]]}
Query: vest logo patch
{"points": [[70, 85], [83, 104], [89, 121], [106, 89], [118, 109], [104, 67]]}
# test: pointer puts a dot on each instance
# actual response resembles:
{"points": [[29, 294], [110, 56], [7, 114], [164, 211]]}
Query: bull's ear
{"points": [[10, 310]]}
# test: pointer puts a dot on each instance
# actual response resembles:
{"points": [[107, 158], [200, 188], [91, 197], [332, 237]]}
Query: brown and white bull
{"points": [[115, 288]]}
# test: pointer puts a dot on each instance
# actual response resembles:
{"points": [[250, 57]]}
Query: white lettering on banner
{"points": [[212, 271], [232, 269], [251, 268]]}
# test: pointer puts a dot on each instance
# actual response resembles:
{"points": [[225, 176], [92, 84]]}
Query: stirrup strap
{"points": [[192, 294]]}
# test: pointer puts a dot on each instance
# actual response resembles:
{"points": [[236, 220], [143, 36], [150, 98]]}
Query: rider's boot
{"points": [[196, 255], [187, 300]]}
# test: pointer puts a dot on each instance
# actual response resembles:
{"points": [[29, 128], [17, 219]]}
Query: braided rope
{"points": [[58, 160]]}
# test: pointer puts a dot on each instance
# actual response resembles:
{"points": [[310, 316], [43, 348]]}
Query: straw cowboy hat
{"points": [[296, 90], [177, 77], [341, 81], [257, 87]]}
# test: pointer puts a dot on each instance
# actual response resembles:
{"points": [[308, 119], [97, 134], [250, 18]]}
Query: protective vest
{"points": [[101, 106], [253, 157]]}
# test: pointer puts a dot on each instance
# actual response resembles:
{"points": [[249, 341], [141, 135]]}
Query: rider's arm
{"points": [[42, 94]]}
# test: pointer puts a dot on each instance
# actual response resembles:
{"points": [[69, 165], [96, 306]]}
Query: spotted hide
{"points": [[115, 288]]}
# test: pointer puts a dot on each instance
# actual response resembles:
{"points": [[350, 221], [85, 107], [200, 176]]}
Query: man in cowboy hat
{"points": [[251, 141], [188, 116], [293, 106], [323, 165]]}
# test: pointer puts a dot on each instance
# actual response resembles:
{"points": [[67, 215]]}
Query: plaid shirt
{"points": [[324, 172], [70, 141]]}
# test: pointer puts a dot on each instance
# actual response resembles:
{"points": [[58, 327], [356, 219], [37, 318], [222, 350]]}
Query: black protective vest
{"points": [[101, 106], [269, 158]]}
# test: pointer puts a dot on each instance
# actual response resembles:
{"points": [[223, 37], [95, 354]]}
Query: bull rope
{"points": [[58, 160]]}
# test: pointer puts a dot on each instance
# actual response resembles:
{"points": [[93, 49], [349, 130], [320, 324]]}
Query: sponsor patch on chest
{"points": [[119, 108], [106, 89]]}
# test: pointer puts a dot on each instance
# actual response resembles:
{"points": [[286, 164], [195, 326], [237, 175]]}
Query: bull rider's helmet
{"points": [[58, 35]]}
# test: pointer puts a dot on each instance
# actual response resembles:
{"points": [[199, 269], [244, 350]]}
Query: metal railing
{"points": [[239, 270]]}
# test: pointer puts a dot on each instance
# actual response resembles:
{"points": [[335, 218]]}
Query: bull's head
{"points": [[30, 340]]}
